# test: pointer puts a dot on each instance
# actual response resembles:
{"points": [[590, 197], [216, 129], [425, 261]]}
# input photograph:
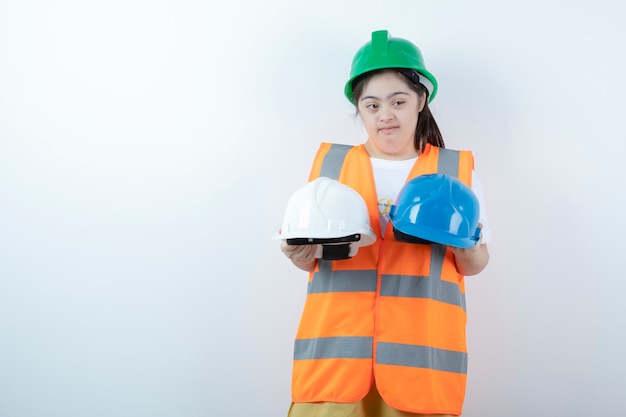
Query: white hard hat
{"points": [[327, 212]]}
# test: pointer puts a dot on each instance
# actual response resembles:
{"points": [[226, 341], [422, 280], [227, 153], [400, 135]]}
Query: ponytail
{"points": [[427, 130]]}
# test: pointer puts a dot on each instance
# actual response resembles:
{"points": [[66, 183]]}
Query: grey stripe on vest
{"points": [[417, 356], [431, 287], [422, 287], [352, 347], [333, 160], [448, 162], [326, 280]]}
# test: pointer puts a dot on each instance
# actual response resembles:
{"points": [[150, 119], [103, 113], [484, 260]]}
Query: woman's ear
{"points": [[422, 101]]}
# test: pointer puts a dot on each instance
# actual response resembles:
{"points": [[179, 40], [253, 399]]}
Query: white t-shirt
{"points": [[390, 176]]}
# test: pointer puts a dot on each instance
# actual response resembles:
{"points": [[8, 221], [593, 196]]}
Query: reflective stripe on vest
{"points": [[425, 287], [333, 161], [448, 162], [421, 357], [352, 347], [326, 280]]}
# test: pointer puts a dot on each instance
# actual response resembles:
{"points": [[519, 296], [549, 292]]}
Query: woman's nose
{"points": [[385, 114]]}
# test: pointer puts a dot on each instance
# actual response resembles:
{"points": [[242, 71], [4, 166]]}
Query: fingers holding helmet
{"points": [[299, 253], [472, 248], [472, 260]]}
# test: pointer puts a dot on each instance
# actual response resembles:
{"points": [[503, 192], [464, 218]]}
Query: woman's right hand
{"points": [[298, 253], [302, 256]]}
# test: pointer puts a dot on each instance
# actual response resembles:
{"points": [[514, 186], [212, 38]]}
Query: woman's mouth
{"points": [[387, 129]]}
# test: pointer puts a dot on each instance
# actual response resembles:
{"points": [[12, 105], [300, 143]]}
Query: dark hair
{"points": [[426, 130]]}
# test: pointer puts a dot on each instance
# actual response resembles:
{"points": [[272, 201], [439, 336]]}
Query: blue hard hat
{"points": [[436, 208]]}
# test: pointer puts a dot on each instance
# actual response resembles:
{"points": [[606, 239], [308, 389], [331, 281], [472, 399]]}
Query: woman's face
{"points": [[389, 109]]}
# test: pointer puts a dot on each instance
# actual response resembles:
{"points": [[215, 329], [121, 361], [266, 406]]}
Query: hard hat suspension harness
{"points": [[323, 241], [333, 249], [406, 238]]}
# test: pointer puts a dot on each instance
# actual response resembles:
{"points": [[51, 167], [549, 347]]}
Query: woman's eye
{"points": [[398, 102], [371, 106]]}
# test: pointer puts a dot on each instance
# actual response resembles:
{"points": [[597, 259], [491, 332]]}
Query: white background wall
{"points": [[147, 149]]}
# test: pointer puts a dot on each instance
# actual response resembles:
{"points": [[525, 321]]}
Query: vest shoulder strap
{"points": [[329, 160], [448, 162]]}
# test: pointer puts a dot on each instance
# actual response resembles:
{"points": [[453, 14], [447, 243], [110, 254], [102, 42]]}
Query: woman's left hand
{"points": [[471, 261]]}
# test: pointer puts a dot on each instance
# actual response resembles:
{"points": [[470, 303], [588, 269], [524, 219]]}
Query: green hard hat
{"points": [[385, 51]]}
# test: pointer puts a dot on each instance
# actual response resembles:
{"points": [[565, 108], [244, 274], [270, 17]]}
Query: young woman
{"points": [[390, 340]]}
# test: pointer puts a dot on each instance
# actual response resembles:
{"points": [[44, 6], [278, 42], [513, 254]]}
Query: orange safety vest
{"points": [[393, 314]]}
